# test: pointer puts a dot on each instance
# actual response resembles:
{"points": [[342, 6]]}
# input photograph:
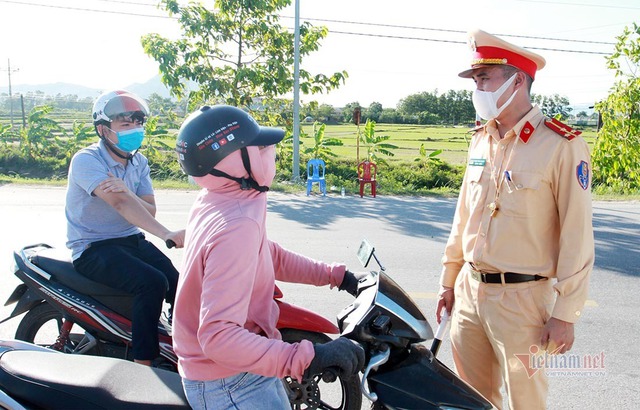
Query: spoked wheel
{"points": [[42, 326], [343, 394]]}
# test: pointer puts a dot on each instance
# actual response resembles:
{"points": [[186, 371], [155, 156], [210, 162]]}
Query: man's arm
{"points": [[114, 184], [137, 211], [576, 251]]}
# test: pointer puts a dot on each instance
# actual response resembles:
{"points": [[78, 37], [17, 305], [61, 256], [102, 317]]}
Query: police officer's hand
{"points": [[341, 355], [177, 237], [557, 336], [445, 300], [351, 280]]}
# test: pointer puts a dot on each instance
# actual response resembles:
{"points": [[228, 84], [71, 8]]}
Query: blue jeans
{"points": [[244, 391]]}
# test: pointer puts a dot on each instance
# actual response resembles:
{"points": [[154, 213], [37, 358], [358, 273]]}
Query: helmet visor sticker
{"points": [[124, 104]]}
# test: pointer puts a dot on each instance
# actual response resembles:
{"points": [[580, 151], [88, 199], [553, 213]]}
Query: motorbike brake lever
{"points": [[377, 359]]}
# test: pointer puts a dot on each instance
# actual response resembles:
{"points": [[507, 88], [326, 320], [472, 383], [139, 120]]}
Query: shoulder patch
{"points": [[562, 129]]}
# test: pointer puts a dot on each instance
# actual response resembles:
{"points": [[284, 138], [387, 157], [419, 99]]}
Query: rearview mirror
{"points": [[365, 252]]}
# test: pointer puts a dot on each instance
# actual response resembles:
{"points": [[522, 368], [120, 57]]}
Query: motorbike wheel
{"points": [[41, 326], [343, 394]]}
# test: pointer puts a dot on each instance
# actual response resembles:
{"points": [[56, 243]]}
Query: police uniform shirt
{"points": [[525, 207]]}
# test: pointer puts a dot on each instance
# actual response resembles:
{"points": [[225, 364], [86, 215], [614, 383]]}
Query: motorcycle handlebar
{"points": [[330, 374], [170, 244]]}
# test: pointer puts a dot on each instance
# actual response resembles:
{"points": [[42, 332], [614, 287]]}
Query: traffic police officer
{"points": [[521, 249]]}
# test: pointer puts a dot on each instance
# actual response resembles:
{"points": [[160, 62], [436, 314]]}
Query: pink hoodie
{"points": [[225, 316]]}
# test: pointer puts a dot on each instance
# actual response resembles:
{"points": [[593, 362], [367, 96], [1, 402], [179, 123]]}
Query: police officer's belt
{"points": [[509, 277]]}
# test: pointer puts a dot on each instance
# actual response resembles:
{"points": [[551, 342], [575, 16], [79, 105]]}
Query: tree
{"points": [[321, 144], [322, 112], [347, 112], [616, 155], [389, 116], [553, 106], [35, 139], [374, 111], [420, 102], [236, 52], [376, 144]]}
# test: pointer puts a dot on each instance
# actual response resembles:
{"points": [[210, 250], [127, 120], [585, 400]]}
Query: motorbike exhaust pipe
{"points": [[437, 339]]}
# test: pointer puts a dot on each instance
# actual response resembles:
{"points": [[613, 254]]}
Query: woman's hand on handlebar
{"points": [[175, 239]]}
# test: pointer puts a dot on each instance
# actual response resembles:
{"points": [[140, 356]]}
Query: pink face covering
{"points": [[263, 169]]}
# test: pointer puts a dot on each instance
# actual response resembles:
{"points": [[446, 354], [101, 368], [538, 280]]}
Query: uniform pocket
{"points": [[520, 196], [475, 178]]}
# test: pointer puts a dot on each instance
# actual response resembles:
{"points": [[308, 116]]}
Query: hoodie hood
{"points": [[263, 170]]}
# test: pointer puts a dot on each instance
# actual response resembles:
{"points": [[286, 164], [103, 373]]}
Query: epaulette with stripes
{"points": [[562, 129]]}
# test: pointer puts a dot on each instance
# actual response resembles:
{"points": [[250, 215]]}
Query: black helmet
{"points": [[210, 134]]}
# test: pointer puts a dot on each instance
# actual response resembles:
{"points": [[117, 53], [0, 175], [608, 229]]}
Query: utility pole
{"points": [[9, 70], [296, 95]]}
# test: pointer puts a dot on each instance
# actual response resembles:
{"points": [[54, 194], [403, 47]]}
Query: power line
{"points": [[89, 10], [462, 42], [154, 5], [452, 31], [342, 22], [581, 4]]}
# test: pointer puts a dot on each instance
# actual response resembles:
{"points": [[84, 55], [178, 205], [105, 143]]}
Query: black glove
{"points": [[341, 355], [350, 282]]}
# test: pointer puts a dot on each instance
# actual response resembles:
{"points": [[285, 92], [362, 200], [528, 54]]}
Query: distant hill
{"points": [[154, 85]]}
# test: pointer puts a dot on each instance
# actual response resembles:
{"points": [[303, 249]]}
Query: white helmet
{"points": [[113, 103]]}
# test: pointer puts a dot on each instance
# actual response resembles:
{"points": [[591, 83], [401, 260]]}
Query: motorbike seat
{"points": [[51, 380], [58, 263]]}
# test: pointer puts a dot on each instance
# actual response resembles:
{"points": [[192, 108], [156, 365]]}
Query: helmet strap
{"points": [[245, 183]]}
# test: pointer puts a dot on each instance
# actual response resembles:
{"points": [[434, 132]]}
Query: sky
{"points": [[390, 49]]}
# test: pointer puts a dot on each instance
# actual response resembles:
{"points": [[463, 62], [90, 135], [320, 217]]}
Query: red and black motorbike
{"points": [[69, 313]]}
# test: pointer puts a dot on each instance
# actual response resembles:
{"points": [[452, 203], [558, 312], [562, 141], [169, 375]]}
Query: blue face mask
{"points": [[129, 140]]}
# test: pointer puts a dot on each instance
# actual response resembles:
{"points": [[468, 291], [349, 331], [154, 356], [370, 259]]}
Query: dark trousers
{"points": [[134, 265]]}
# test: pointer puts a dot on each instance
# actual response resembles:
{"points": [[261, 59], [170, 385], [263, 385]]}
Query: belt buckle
{"points": [[476, 275]]}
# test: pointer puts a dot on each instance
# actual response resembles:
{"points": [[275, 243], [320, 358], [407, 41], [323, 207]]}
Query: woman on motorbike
{"points": [[229, 351]]}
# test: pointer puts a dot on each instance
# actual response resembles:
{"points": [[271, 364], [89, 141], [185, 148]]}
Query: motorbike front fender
{"points": [[27, 299], [296, 317], [420, 381]]}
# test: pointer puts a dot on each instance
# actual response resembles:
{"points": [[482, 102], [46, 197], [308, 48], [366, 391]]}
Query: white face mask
{"points": [[486, 102]]}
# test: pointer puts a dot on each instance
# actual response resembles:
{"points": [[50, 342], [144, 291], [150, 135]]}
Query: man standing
{"points": [[109, 199], [520, 252]]}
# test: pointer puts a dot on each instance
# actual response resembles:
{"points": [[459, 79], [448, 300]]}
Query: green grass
{"points": [[454, 141]]}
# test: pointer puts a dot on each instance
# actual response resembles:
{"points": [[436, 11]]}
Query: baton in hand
{"points": [[437, 339]]}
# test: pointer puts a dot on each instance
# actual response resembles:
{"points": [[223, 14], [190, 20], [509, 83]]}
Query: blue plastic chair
{"points": [[315, 173]]}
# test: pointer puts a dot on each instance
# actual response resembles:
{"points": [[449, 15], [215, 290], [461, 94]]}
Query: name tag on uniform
{"points": [[477, 162]]}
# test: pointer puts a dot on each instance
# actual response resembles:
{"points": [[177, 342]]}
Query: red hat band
{"points": [[496, 55]]}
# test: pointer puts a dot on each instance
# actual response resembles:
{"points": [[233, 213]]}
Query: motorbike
{"points": [[401, 372], [35, 377], [66, 312]]}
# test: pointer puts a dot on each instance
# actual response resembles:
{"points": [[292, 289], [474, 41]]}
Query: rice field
{"points": [[408, 138]]}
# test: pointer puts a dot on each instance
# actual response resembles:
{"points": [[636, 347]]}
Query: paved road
{"points": [[409, 235]]}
